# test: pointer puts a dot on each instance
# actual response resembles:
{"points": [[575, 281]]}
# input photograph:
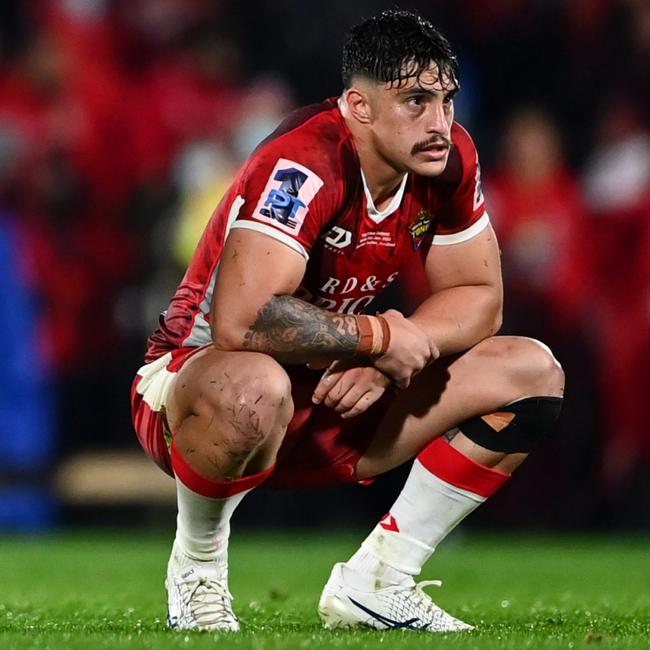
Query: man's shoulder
{"points": [[315, 136], [310, 149], [299, 178], [305, 120]]}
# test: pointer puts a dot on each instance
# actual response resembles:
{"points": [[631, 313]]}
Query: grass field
{"points": [[96, 591]]}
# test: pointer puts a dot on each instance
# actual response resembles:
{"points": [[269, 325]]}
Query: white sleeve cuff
{"points": [[463, 235], [272, 232]]}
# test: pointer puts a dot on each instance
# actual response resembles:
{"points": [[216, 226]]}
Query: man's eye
{"points": [[448, 99], [416, 100]]}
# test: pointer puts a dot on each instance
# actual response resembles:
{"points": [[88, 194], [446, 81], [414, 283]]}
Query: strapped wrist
{"points": [[374, 335]]}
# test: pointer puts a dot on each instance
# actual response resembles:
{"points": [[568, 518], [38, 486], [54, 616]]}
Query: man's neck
{"points": [[382, 179]]}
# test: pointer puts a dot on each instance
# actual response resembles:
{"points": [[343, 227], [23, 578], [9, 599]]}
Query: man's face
{"points": [[411, 123]]}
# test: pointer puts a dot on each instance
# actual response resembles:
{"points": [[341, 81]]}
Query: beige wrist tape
{"points": [[374, 335]]}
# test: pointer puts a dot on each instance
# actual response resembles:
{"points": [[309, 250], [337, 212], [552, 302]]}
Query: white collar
{"points": [[375, 214]]}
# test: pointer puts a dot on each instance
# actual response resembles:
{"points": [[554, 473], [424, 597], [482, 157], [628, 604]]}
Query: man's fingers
{"points": [[326, 383], [337, 393], [342, 389], [350, 398], [435, 352], [362, 404]]}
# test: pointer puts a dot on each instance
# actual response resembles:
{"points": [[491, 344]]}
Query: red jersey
{"points": [[304, 187]]}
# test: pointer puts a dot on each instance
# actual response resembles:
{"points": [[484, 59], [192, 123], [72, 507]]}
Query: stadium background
{"points": [[121, 124]]}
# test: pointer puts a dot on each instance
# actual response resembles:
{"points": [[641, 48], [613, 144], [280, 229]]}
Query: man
{"points": [[322, 217]]}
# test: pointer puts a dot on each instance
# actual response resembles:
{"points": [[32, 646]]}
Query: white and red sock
{"points": [[444, 486], [205, 507]]}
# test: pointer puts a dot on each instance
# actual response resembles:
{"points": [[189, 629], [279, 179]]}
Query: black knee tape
{"points": [[500, 431]]}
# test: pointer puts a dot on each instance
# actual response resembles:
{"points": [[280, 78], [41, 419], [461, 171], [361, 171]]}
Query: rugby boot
{"points": [[349, 600], [197, 595]]}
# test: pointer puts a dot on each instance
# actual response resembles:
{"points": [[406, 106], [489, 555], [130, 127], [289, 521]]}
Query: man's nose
{"points": [[437, 122]]}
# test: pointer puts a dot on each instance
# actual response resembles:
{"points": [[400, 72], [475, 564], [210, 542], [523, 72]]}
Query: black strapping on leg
{"points": [[533, 418]]}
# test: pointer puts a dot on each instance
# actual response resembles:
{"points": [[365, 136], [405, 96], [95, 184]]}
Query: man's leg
{"points": [[227, 412], [482, 399]]}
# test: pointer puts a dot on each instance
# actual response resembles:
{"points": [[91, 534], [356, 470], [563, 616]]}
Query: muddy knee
{"points": [[224, 412], [259, 406]]}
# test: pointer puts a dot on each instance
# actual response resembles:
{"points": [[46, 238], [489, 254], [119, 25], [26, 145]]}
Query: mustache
{"points": [[436, 140]]}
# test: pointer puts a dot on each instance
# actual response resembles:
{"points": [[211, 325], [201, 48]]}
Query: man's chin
{"points": [[430, 167]]}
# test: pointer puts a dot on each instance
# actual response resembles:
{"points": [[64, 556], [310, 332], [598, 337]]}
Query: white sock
{"points": [[204, 509], [426, 511], [203, 524]]}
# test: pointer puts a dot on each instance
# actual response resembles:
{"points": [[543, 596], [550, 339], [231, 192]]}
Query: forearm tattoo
{"points": [[295, 331], [450, 435]]}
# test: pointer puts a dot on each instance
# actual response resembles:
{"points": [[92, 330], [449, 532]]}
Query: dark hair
{"points": [[394, 46]]}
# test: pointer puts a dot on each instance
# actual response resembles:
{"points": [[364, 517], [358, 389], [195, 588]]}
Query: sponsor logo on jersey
{"points": [[287, 195], [420, 228], [338, 237], [346, 296]]}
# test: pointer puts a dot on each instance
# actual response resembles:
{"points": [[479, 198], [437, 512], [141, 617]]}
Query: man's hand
{"points": [[409, 351], [349, 388]]}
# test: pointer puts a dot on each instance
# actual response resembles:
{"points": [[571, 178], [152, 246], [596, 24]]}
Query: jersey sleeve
{"points": [[285, 197], [464, 215]]}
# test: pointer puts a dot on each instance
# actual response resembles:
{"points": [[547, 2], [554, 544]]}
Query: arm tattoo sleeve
{"points": [[295, 331]]}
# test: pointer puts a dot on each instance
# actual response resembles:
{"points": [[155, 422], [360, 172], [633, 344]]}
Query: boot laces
{"points": [[416, 594], [208, 599]]}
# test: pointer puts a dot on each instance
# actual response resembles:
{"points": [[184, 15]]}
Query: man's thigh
{"points": [[495, 372], [319, 447]]}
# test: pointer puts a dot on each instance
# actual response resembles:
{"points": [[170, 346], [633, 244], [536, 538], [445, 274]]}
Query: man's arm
{"points": [[253, 309], [465, 308], [293, 330], [467, 293]]}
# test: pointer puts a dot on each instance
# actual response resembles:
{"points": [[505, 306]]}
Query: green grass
{"points": [[97, 591]]}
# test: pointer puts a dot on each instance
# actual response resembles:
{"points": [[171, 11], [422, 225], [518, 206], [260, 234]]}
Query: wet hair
{"points": [[395, 46]]}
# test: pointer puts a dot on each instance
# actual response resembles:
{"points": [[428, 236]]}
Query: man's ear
{"points": [[359, 104]]}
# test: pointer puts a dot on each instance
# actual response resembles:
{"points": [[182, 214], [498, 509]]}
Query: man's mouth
{"points": [[437, 146], [436, 149]]}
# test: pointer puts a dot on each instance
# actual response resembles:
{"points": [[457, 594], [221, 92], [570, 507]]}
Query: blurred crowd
{"points": [[122, 122]]}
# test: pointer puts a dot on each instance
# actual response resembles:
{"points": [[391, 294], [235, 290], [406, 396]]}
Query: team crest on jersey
{"points": [[287, 195], [420, 228]]}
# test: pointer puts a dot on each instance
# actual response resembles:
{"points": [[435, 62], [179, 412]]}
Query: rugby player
{"points": [[269, 365]]}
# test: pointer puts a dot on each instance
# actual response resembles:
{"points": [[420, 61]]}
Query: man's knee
{"points": [[541, 372], [529, 365], [243, 403], [536, 385], [258, 401]]}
